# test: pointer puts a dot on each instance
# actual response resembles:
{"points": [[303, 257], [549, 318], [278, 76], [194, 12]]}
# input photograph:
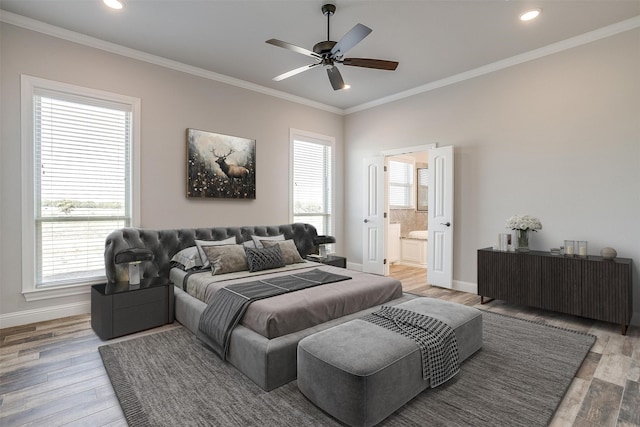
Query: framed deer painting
{"points": [[220, 166]]}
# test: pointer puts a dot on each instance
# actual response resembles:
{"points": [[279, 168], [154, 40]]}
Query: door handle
{"points": [[366, 221], [448, 224]]}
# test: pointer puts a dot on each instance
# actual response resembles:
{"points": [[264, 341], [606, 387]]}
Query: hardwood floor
{"points": [[606, 389], [52, 375]]}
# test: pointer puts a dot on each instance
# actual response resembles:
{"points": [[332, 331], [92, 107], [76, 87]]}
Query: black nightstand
{"points": [[119, 308], [335, 260]]}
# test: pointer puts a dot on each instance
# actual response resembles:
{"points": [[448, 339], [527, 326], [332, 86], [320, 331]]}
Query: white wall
{"points": [[172, 101], [557, 138]]}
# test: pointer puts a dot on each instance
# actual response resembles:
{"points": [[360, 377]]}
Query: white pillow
{"points": [[188, 258], [201, 243], [258, 243]]}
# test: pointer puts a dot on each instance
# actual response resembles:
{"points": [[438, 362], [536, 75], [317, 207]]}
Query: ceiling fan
{"points": [[329, 53]]}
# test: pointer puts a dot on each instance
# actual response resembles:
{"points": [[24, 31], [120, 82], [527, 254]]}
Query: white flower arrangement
{"points": [[524, 222]]}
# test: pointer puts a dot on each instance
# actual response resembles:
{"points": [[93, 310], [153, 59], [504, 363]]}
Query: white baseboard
{"points": [[354, 266], [469, 287], [25, 317]]}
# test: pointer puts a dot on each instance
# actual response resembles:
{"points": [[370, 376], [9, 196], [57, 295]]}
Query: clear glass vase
{"points": [[522, 236]]}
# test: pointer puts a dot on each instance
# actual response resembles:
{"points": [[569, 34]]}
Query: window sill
{"points": [[58, 292]]}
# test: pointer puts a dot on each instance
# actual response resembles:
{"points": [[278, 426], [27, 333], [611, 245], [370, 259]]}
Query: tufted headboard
{"points": [[166, 243]]}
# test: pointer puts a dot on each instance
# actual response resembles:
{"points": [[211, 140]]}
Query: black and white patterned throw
{"points": [[436, 339]]}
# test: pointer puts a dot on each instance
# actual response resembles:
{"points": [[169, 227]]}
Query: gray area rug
{"points": [[517, 379]]}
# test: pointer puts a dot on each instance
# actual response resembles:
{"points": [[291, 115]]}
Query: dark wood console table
{"points": [[583, 286]]}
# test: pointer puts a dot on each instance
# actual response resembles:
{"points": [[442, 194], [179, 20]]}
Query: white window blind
{"points": [[400, 184], [82, 183], [423, 188], [312, 192]]}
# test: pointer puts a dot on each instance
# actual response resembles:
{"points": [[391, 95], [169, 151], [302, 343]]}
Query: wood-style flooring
{"points": [[606, 389], [51, 373]]}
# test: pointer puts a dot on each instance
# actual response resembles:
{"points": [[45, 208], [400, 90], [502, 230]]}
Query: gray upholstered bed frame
{"points": [[270, 363], [166, 243]]}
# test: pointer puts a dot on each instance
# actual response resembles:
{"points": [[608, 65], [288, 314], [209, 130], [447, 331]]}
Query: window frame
{"points": [[31, 86], [311, 137]]}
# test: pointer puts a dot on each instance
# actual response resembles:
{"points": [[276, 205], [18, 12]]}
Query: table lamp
{"points": [[321, 242], [134, 256]]}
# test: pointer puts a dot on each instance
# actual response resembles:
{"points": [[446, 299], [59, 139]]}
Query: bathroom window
{"points": [[401, 173], [422, 202]]}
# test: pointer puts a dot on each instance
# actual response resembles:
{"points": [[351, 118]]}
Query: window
{"points": [[78, 151], [401, 183], [422, 201], [312, 186]]}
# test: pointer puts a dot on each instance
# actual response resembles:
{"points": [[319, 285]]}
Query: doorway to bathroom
{"points": [[407, 207], [439, 196]]}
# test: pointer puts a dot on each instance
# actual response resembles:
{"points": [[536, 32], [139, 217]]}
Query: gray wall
{"points": [[557, 138], [171, 101]]}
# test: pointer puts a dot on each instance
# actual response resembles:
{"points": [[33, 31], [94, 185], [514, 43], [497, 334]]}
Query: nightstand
{"points": [[119, 308], [335, 260]]}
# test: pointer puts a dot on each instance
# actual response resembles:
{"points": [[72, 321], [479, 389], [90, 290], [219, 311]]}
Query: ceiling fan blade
{"points": [[293, 72], [335, 78], [349, 40], [293, 48], [379, 64]]}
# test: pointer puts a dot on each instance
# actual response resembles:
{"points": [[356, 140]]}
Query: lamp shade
{"points": [[133, 255], [323, 240]]}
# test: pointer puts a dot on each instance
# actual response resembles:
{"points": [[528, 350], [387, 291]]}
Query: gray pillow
{"points": [[289, 250], [188, 258], [257, 240], [264, 259], [226, 258], [201, 243]]}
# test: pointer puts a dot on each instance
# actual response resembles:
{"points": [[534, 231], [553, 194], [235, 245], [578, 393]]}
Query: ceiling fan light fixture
{"points": [[328, 53], [530, 14]]}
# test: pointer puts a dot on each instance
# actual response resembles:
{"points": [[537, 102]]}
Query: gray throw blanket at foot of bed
{"points": [[436, 339], [228, 305]]}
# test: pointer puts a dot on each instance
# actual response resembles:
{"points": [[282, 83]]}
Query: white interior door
{"points": [[373, 221], [440, 217]]}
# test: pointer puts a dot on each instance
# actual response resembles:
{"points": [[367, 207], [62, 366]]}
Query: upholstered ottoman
{"points": [[361, 373]]}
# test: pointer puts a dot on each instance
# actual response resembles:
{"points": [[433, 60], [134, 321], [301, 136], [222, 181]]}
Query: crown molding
{"points": [[41, 27], [601, 33], [72, 36]]}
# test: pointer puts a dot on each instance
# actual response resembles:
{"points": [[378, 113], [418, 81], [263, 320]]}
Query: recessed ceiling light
{"points": [[114, 4], [346, 87], [530, 14]]}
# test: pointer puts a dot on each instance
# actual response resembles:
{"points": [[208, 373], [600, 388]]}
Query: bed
{"points": [[263, 345]]}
